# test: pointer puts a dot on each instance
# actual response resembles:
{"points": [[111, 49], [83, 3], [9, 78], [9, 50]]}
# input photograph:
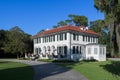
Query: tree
{"points": [[74, 20], [99, 27], [55, 26], [111, 9], [17, 29], [62, 23], [79, 20], [18, 42], [69, 22], [3, 39]]}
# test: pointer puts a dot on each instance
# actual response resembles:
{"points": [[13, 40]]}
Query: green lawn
{"points": [[15, 71], [108, 70]]}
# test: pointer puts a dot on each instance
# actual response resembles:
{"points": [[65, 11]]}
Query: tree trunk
{"points": [[118, 37], [111, 42], [115, 40]]}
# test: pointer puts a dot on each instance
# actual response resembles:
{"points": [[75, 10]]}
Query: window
{"points": [[88, 38], [77, 49], [93, 39], [49, 39], [39, 50], [34, 40], [57, 37], [65, 50], [74, 37], [65, 36], [77, 37], [62, 51], [95, 50], [103, 51], [89, 50], [100, 50], [44, 48], [39, 40], [61, 36], [83, 38], [54, 38], [73, 49], [96, 40], [58, 50], [80, 50], [43, 39], [36, 50]]}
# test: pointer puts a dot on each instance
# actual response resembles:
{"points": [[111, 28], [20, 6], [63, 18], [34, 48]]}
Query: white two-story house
{"points": [[69, 42]]}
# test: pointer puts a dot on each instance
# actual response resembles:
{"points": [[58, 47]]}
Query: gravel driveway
{"points": [[50, 71]]}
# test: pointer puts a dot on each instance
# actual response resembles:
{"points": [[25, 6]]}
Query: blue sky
{"points": [[34, 15]]}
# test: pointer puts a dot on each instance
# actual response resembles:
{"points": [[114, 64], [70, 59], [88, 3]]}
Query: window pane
{"points": [[65, 49], [93, 39], [83, 38], [39, 50], [89, 50], [77, 37], [36, 50], [61, 36], [95, 50], [103, 51], [80, 50], [77, 50], [57, 37], [88, 38], [65, 36], [73, 49], [74, 37]]}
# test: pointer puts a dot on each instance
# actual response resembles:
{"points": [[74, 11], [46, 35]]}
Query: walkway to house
{"points": [[50, 71]]}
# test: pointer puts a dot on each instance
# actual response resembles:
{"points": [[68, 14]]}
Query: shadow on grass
{"points": [[43, 70], [3, 62], [19, 73], [113, 68], [24, 73]]}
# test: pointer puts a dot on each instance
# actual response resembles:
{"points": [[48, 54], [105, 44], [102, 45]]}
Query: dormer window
{"points": [[83, 28]]}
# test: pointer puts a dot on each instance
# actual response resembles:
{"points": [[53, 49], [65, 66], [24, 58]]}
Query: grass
{"points": [[108, 70], [15, 71]]}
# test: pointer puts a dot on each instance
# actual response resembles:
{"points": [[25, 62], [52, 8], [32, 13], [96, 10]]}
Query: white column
{"points": [[69, 45]]}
